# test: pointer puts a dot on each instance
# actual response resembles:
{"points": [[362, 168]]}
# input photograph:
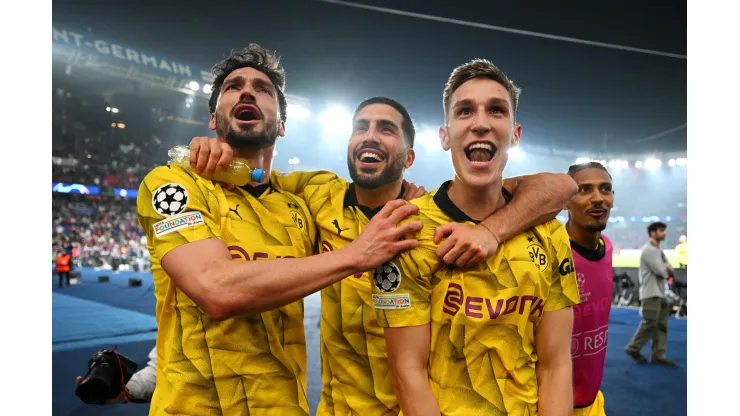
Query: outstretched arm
{"points": [[535, 199]]}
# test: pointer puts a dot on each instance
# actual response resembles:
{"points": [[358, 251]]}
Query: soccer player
{"points": [[355, 370], [588, 215], [494, 339], [231, 266]]}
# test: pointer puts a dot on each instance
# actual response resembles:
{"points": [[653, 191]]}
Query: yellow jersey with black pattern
{"points": [[483, 320], [253, 364], [355, 372]]}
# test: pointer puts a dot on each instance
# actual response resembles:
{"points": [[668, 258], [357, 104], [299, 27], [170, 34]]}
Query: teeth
{"points": [[369, 155], [484, 146]]}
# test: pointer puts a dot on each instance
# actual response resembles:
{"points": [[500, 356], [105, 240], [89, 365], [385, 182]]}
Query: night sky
{"points": [[573, 95]]}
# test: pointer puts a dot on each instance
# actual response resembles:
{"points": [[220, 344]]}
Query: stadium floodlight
{"points": [[638, 164], [121, 126], [582, 160], [207, 88], [274, 152], [618, 164], [293, 161], [652, 163], [336, 119], [194, 86], [672, 162], [114, 110], [428, 138], [515, 153], [107, 109], [682, 161], [298, 112]]}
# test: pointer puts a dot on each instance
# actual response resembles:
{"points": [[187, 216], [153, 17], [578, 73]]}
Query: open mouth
{"points": [[480, 152], [247, 112], [370, 156]]}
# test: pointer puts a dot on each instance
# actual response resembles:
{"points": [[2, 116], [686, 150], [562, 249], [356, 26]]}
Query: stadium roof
{"points": [[575, 96]]}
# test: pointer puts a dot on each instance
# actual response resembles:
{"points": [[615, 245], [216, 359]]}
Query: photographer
{"points": [[141, 385]]}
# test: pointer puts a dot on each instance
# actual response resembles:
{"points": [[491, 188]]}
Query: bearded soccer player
{"points": [[355, 370], [228, 274], [494, 339], [588, 215]]}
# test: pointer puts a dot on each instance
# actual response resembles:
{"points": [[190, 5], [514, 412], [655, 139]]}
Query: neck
{"points": [[373, 198], [257, 158], [656, 242], [583, 237], [477, 202]]}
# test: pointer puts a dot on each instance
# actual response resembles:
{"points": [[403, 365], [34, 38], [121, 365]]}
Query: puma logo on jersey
{"points": [[235, 211], [339, 230]]}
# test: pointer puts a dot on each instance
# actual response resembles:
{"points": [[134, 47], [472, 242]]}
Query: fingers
{"points": [[465, 258], [390, 207], [455, 252], [213, 158], [477, 259], [204, 152], [78, 380], [399, 214], [420, 191], [441, 232], [411, 227], [404, 245], [195, 146], [226, 155]]}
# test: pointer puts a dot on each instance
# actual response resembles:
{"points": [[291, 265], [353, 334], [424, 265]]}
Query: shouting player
{"points": [[494, 339], [355, 370], [588, 215], [231, 266]]}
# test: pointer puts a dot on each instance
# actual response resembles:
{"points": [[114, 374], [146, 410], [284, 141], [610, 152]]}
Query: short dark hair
{"points": [[479, 68], [655, 227], [573, 169], [409, 132], [253, 56]]}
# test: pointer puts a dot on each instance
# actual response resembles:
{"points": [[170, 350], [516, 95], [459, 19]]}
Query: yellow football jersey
{"points": [[355, 372], [483, 320], [245, 365]]}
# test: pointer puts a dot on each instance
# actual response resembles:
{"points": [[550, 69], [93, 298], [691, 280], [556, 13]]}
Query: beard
{"points": [[598, 227], [247, 138], [392, 171]]}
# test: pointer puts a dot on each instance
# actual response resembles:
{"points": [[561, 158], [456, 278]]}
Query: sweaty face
{"points": [[247, 110], [591, 206], [377, 152], [479, 132]]}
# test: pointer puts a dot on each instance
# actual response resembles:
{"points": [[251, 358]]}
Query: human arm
{"points": [[225, 288], [536, 199], [653, 260], [554, 367], [408, 356], [142, 383]]}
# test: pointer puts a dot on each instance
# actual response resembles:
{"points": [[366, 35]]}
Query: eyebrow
{"points": [[363, 122], [256, 82], [495, 101]]}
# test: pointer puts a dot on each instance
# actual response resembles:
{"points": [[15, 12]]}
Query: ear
{"points": [[212, 123], [281, 129], [517, 135], [444, 138], [410, 157]]}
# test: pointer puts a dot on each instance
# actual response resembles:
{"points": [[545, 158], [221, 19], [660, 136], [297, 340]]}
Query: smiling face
{"points": [[589, 209], [247, 111], [480, 131], [378, 152]]}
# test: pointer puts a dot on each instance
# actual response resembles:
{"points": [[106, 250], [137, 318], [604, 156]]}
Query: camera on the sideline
{"points": [[107, 375]]}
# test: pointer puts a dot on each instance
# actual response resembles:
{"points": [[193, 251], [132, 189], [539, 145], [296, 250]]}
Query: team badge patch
{"points": [[170, 199], [387, 277], [392, 301], [177, 222]]}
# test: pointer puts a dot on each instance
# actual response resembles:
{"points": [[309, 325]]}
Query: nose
{"points": [[247, 94], [481, 123], [372, 134]]}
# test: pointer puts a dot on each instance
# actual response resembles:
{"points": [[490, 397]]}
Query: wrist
{"points": [[492, 232]]}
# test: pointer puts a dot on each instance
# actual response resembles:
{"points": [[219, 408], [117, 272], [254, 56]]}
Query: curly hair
{"points": [[253, 56]]}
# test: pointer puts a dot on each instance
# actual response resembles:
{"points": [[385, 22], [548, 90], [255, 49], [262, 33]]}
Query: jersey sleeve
{"points": [[297, 182], [173, 210], [564, 285], [402, 288]]}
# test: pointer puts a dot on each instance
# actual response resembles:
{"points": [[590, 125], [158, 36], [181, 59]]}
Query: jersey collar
{"points": [[443, 201], [257, 191], [588, 254], [350, 200]]}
